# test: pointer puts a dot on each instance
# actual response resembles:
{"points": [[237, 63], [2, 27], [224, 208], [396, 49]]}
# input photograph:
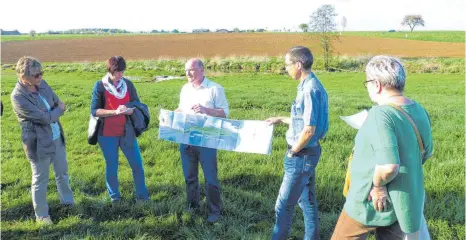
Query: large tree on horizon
{"points": [[304, 27], [412, 21]]}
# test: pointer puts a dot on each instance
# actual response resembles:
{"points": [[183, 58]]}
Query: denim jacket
{"points": [[35, 119], [310, 108]]}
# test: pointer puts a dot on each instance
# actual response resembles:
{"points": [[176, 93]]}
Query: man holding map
{"points": [[307, 125], [201, 96]]}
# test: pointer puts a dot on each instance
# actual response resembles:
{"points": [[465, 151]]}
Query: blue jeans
{"points": [[298, 186], [190, 158], [110, 146]]}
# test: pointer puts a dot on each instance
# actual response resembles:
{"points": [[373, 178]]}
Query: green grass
{"points": [[434, 36], [250, 182], [248, 64]]}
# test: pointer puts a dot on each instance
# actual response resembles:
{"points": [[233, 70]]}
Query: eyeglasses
{"points": [[37, 75], [366, 82]]}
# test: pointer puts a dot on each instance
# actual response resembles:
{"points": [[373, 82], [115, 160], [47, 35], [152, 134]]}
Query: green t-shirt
{"points": [[387, 137]]}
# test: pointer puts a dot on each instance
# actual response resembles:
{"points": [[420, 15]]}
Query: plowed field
{"points": [[212, 45]]}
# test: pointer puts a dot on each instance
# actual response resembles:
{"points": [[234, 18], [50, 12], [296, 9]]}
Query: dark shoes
{"points": [[196, 209], [213, 219]]}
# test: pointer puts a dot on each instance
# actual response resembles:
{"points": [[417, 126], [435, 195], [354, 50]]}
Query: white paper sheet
{"points": [[234, 135], [356, 120]]}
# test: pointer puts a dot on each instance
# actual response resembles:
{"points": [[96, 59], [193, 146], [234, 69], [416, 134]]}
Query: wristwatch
{"points": [[291, 153]]}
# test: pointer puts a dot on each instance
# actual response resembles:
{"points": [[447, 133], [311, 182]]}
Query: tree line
{"points": [[322, 22]]}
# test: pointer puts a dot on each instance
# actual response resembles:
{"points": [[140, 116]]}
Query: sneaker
{"points": [[213, 218], [44, 220]]}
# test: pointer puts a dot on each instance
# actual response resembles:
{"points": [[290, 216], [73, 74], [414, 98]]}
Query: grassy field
{"points": [[251, 64], [435, 36], [250, 182]]}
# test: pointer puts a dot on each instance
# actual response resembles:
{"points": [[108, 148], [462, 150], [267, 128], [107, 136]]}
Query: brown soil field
{"points": [[215, 45]]}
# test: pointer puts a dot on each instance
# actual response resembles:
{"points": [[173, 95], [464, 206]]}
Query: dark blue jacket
{"points": [[140, 117], [98, 102]]}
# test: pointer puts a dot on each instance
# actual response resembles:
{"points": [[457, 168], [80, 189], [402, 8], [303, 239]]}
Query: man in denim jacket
{"points": [[307, 125]]}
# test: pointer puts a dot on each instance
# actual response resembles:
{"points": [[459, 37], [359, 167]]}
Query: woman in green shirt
{"points": [[386, 192]]}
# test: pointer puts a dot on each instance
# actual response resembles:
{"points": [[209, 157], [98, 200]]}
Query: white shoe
{"points": [[44, 221]]}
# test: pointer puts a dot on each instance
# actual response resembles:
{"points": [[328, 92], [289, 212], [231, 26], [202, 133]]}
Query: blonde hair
{"points": [[28, 66]]}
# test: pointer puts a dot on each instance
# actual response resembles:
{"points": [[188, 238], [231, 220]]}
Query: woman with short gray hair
{"points": [[38, 109], [386, 186], [389, 71]]}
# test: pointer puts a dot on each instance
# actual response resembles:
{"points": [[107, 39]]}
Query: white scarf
{"points": [[114, 90]]}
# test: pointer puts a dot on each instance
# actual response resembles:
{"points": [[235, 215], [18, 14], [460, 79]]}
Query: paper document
{"points": [[356, 120], [219, 133], [127, 109]]}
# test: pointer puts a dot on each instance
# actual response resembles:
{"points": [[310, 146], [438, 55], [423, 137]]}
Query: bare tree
{"points": [[304, 27], [323, 22], [412, 21], [343, 22]]}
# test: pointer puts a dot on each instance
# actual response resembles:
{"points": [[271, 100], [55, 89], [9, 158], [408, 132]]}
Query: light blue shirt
{"points": [[55, 127], [310, 108]]}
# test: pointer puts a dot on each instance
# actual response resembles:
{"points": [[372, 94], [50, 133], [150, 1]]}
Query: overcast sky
{"points": [[138, 15]]}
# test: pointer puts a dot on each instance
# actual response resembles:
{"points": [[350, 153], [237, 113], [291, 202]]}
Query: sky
{"points": [[139, 15]]}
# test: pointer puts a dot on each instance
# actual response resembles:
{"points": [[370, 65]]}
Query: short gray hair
{"points": [[198, 62], [303, 55], [28, 66], [388, 70]]}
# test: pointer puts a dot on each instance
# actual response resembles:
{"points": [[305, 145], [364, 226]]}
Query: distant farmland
{"points": [[215, 45], [434, 36]]}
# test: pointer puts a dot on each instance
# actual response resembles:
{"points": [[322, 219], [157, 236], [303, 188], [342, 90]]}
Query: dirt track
{"points": [[211, 45]]}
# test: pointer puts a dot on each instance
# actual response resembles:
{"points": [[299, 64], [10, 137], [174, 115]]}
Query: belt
{"points": [[303, 150]]}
